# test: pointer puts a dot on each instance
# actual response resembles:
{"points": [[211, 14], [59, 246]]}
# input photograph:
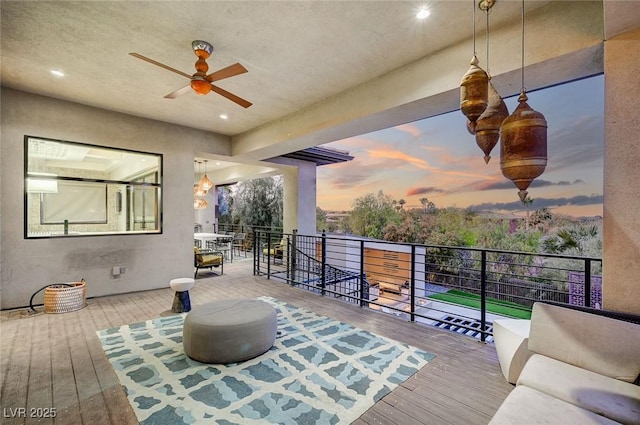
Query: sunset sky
{"points": [[438, 159]]}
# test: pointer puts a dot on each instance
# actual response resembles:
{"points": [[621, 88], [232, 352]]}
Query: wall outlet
{"points": [[123, 270], [115, 271]]}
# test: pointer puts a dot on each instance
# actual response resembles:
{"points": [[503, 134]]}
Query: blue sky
{"points": [[438, 158]]}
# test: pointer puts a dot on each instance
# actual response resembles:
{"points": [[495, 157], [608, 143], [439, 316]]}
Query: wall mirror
{"points": [[76, 189]]}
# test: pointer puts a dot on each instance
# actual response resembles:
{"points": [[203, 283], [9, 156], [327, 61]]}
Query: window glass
{"points": [[76, 189]]}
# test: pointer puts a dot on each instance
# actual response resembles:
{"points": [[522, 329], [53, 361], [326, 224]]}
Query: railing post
{"points": [[293, 257], [323, 274], [256, 258], [587, 282], [269, 255], [412, 287], [483, 295], [362, 277]]}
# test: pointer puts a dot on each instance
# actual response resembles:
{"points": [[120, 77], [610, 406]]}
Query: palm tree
{"points": [[527, 201], [427, 204]]}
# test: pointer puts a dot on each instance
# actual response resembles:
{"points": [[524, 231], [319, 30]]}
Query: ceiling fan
{"points": [[201, 83]]}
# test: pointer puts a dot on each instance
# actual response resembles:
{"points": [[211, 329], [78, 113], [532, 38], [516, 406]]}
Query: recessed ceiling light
{"points": [[57, 73], [423, 13], [224, 116], [217, 163]]}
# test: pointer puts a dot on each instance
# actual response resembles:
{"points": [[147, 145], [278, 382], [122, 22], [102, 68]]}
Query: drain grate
{"points": [[469, 327]]}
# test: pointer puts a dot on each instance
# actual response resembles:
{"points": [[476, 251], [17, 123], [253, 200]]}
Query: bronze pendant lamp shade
{"points": [[523, 151], [523, 148], [474, 91], [488, 124], [487, 127]]}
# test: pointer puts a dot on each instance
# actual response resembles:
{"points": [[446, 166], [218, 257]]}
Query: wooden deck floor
{"points": [[55, 360]]}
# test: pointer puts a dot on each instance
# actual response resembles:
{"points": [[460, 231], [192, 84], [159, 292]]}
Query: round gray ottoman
{"points": [[229, 331]]}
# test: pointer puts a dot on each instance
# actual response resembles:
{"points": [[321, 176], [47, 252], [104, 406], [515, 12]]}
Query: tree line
{"points": [[379, 216]]}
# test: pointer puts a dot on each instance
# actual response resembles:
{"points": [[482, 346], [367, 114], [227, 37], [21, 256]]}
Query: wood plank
{"points": [[14, 389], [65, 392], [118, 407], [40, 396]]}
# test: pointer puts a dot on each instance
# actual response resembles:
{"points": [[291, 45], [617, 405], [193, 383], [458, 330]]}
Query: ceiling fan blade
{"points": [[232, 97], [178, 92], [161, 65], [227, 72]]}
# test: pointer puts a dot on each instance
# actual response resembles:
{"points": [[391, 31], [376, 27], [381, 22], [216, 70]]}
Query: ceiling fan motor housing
{"points": [[199, 83], [203, 49]]}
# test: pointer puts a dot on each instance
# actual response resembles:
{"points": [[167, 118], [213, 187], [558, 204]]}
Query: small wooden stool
{"points": [[181, 300]]}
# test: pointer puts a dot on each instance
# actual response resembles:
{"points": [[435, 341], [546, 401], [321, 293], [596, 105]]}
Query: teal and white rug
{"points": [[320, 371]]}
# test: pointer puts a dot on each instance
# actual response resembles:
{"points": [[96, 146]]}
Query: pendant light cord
{"points": [[522, 53], [487, 26], [473, 3]]}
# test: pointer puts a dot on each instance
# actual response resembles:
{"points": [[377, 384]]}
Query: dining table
{"points": [[217, 241]]}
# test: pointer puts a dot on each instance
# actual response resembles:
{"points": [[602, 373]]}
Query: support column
{"points": [[621, 250], [300, 198]]}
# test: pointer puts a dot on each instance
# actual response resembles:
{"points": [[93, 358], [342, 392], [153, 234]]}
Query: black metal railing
{"points": [[457, 288]]}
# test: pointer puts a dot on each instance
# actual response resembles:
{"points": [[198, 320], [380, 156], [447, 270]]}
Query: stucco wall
{"points": [[621, 289], [150, 260]]}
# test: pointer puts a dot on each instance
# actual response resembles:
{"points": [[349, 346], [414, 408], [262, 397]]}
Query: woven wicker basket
{"points": [[63, 298]]}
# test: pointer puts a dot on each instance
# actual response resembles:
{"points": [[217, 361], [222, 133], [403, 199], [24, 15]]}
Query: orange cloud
{"points": [[409, 128], [393, 154], [423, 190]]}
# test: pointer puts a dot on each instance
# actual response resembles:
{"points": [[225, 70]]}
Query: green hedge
{"points": [[494, 305]]}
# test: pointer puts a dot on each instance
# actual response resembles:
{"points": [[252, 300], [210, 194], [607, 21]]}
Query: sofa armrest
{"points": [[597, 343]]}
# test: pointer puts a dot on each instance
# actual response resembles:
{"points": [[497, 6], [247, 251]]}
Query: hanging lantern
{"points": [[198, 191], [474, 91], [523, 149], [487, 128], [205, 182], [471, 127], [200, 203]]}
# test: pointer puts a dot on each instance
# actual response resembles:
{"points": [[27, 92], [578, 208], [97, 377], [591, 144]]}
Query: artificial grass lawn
{"points": [[496, 306]]}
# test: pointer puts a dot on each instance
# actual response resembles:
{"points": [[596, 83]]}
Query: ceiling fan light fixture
{"points": [[200, 85]]}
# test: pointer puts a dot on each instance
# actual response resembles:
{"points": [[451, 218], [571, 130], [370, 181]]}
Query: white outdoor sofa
{"points": [[584, 369]]}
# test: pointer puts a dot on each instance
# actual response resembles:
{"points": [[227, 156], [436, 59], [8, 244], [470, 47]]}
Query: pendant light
{"points": [[197, 189], [205, 183], [523, 150], [474, 86], [487, 129], [200, 203]]}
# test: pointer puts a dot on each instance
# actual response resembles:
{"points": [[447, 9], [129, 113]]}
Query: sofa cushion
{"points": [[597, 343], [617, 400], [525, 405]]}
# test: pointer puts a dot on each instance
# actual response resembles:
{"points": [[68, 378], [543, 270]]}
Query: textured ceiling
{"points": [[297, 52]]}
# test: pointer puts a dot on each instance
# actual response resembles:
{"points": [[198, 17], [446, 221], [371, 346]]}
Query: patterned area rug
{"points": [[320, 371]]}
